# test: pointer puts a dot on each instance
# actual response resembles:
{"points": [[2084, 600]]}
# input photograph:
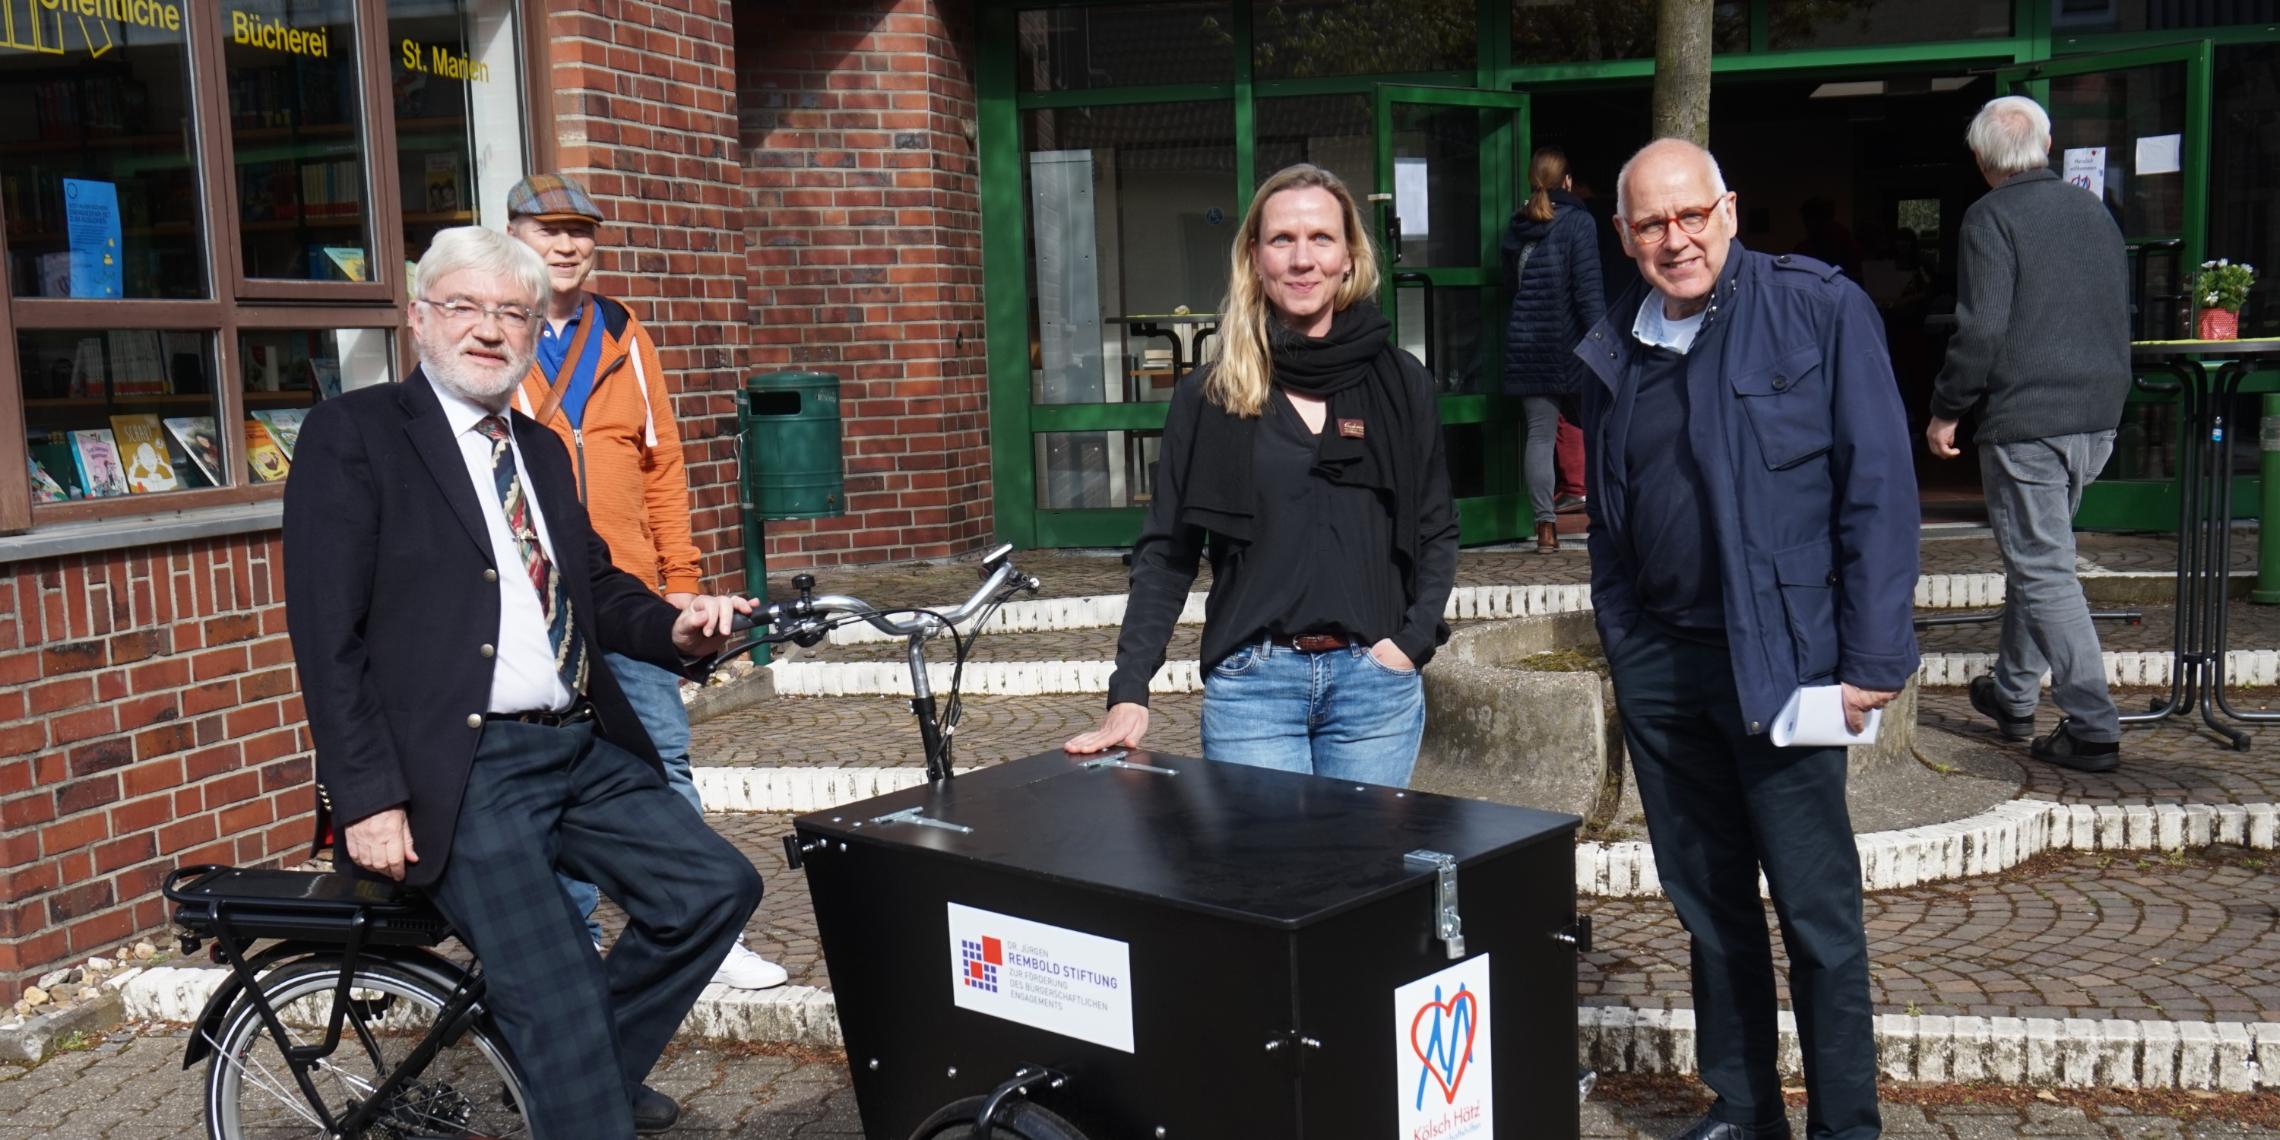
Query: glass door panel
{"points": [[1131, 216], [1447, 177], [2133, 128]]}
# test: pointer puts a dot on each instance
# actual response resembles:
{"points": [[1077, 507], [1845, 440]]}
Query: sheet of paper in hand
{"points": [[1815, 718]]}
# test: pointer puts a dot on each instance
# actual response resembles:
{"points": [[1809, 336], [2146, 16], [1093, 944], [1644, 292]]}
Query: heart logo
{"points": [[1442, 1037]]}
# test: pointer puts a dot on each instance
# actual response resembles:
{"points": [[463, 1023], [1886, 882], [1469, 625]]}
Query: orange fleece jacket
{"points": [[627, 456]]}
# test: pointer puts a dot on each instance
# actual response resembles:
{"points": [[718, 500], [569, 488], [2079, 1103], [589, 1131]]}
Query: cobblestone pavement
{"points": [[2191, 938], [2247, 626], [131, 1086], [878, 732], [2173, 761], [1081, 573]]}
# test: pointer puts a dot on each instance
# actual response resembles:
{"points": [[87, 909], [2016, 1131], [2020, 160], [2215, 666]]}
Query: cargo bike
{"points": [[1124, 945]]}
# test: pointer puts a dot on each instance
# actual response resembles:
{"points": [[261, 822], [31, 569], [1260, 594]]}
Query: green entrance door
{"points": [[1450, 163], [2132, 127]]}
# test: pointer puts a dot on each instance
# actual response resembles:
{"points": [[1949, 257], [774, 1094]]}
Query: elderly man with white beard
{"points": [[446, 599]]}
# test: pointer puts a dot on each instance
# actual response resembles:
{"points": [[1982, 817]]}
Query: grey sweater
{"points": [[2042, 340]]}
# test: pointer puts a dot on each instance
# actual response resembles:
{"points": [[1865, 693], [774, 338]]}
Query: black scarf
{"points": [[1366, 438]]}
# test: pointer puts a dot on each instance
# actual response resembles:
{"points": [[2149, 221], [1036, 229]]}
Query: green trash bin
{"points": [[788, 446], [790, 423]]}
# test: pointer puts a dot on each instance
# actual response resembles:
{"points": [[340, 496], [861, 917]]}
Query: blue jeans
{"points": [[1338, 713], [655, 695]]}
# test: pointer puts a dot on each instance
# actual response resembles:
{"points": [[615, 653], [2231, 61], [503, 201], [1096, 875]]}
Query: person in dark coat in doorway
{"points": [[1551, 272]]}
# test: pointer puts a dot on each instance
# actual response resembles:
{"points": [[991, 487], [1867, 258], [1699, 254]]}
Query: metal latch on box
{"points": [[917, 816], [1448, 925], [1117, 759]]}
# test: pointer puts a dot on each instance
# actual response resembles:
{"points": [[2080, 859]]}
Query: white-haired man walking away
{"points": [[2041, 360]]}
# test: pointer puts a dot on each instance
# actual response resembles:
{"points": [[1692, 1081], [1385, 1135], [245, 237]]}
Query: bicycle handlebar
{"points": [[806, 615]]}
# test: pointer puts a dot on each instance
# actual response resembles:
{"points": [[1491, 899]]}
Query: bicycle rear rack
{"points": [[321, 908]]}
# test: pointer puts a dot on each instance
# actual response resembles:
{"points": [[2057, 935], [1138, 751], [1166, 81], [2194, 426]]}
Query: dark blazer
{"points": [[1805, 458], [392, 603]]}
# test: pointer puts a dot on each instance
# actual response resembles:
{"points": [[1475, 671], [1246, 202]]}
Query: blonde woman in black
{"points": [[1306, 463]]}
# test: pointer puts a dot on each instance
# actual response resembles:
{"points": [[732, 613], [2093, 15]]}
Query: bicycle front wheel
{"points": [[1020, 1119], [469, 1088]]}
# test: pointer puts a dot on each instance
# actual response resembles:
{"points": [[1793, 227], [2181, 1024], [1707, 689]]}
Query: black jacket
{"points": [[1165, 556], [391, 605], [1554, 300], [2042, 315]]}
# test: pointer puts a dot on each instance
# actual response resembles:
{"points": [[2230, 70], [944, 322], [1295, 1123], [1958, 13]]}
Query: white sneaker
{"points": [[745, 970]]}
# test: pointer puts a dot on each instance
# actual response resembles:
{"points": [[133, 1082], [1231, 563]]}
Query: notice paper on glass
{"points": [[1815, 718], [2158, 154], [2086, 167], [91, 214]]}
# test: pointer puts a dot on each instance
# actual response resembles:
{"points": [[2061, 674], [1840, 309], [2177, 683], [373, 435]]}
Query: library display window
{"points": [[114, 413], [452, 68], [296, 125], [98, 176], [247, 195]]}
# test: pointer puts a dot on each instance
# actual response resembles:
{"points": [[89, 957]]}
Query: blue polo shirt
{"points": [[554, 350]]}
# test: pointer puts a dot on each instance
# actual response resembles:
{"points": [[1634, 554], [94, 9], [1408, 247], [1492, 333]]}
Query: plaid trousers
{"points": [[585, 1031]]}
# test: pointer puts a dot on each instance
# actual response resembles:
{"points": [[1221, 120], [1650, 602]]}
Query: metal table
{"points": [[2204, 521]]}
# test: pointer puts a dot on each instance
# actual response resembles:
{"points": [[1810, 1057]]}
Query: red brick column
{"points": [[149, 717], [863, 243], [644, 104]]}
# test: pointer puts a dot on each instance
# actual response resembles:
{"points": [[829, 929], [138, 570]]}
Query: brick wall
{"points": [[149, 717], [644, 104], [863, 240]]}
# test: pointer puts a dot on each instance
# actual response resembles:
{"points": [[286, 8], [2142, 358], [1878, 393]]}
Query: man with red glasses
{"points": [[1753, 531]]}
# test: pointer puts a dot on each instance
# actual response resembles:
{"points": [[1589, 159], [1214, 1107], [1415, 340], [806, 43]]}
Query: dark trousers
{"points": [[1722, 805], [585, 1032]]}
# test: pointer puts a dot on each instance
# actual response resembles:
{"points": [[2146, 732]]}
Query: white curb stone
{"points": [[2134, 668], [800, 789], [2075, 1053], [1991, 842]]}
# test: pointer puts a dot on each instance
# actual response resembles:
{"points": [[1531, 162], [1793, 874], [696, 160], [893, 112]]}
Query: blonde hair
{"points": [[1242, 374], [1545, 174]]}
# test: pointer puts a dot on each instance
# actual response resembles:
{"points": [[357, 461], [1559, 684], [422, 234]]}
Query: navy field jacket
{"points": [[1800, 435]]}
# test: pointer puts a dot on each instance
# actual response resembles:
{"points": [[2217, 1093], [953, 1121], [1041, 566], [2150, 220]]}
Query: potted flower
{"points": [[2222, 288]]}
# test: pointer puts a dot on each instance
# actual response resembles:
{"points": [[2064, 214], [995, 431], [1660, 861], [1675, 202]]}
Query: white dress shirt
{"points": [[522, 677], [1658, 331]]}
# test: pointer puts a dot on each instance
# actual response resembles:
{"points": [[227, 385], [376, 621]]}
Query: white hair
{"points": [[1623, 179], [2010, 135], [463, 248]]}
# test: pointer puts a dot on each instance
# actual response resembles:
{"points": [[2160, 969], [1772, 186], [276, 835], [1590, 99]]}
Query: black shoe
{"points": [[653, 1111], [2067, 750], [1711, 1129], [1984, 700]]}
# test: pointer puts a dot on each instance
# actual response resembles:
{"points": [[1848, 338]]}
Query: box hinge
{"points": [[1448, 925], [917, 816]]}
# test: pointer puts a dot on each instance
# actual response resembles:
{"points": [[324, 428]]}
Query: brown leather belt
{"points": [[582, 711], [1313, 642]]}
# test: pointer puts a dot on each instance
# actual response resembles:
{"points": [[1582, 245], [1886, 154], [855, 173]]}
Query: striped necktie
{"points": [[561, 632]]}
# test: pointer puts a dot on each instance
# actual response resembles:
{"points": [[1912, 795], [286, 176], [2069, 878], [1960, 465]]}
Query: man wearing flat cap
{"points": [[596, 381]]}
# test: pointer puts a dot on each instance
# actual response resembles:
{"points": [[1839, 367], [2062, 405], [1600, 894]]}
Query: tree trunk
{"points": [[1682, 70]]}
